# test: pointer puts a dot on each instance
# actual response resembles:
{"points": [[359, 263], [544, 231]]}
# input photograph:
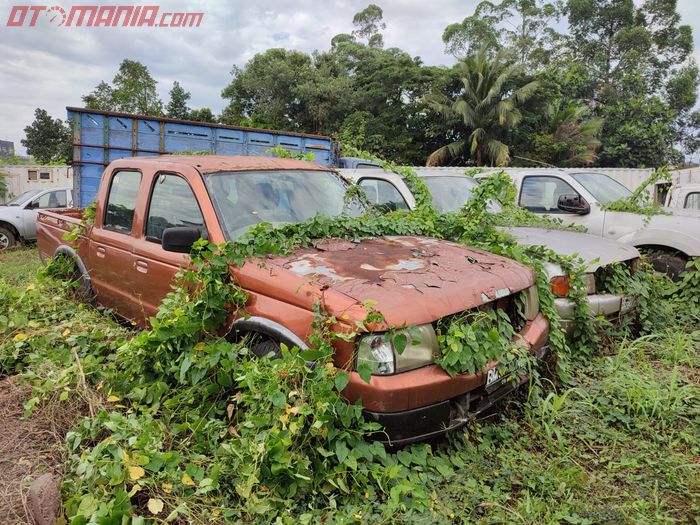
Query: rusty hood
{"points": [[411, 279]]}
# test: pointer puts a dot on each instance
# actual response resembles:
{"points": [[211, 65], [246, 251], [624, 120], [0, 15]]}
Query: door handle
{"points": [[142, 266], [101, 252]]}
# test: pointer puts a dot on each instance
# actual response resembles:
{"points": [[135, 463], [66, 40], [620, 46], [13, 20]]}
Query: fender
{"points": [[678, 241], [13, 228], [267, 327], [67, 251]]}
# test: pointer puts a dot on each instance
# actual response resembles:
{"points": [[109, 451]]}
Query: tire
{"points": [[7, 239], [671, 265], [265, 348]]}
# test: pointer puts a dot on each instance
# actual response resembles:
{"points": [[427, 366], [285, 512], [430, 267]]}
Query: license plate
{"points": [[498, 376]]}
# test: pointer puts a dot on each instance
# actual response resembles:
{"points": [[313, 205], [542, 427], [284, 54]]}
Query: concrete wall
{"points": [[18, 179]]}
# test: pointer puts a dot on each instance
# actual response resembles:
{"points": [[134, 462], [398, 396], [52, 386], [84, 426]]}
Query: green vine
{"points": [[641, 201]]}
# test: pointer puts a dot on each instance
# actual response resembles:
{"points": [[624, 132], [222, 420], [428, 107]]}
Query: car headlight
{"points": [[531, 303], [379, 351], [561, 284]]}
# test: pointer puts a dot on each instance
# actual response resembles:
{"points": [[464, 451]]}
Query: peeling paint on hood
{"points": [[412, 279]]}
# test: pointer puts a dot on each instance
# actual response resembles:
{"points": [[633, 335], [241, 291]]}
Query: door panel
{"points": [[171, 203], [111, 246]]}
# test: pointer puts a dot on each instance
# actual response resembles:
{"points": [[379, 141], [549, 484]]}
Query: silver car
{"points": [[18, 216]]}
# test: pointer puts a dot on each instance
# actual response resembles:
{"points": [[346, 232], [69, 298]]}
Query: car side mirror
{"points": [[573, 203], [179, 239], [32, 205]]}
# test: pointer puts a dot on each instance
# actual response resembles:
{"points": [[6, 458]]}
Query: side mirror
{"points": [[573, 203], [33, 205], [179, 239]]}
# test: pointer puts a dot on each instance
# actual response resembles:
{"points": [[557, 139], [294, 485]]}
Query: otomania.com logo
{"points": [[101, 16]]}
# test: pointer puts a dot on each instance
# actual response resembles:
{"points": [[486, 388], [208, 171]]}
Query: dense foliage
{"points": [[187, 425], [48, 140]]}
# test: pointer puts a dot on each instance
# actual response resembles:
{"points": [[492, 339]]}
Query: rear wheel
{"points": [[7, 239], [668, 263]]}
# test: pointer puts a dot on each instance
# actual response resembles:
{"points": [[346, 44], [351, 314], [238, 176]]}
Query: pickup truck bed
{"points": [[55, 223]]}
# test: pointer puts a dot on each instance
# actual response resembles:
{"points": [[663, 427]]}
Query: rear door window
{"points": [[172, 204], [121, 201]]}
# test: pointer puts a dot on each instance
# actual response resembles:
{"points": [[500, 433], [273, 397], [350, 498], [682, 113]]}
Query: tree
{"points": [[133, 90], [177, 106], [520, 28], [570, 136], [369, 23], [263, 93], [201, 115], [47, 139], [102, 98], [485, 109]]}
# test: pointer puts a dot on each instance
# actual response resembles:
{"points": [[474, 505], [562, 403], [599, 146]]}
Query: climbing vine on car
{"points": [[641, 200]]}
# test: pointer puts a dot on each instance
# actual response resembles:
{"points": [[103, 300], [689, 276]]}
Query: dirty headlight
{"points": [[589, 282], [531, 303], [380, 352]]}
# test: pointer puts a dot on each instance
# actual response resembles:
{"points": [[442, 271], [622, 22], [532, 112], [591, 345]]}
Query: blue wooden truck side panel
{"points": [[100, 137]]}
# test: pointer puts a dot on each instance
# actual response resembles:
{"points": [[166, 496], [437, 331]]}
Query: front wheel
{"points": [[671, 265], [7, 239]]}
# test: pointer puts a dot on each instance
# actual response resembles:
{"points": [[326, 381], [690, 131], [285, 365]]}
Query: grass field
{"points": [[618, 443]]}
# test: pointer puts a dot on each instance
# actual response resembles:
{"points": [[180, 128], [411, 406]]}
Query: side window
{"points": [[121, 201], [541, 194], [172, 204], [51, 199], [692, 201], [383, 194]]}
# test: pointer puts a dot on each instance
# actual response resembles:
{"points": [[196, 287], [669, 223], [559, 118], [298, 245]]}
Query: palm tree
{"points": [[575, 135], [485, 109]]}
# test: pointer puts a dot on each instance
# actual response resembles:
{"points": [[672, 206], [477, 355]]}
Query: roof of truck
{"points": [[213, 163]]}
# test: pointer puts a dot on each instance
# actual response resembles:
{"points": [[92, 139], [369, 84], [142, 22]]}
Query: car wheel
{"points": [[7, 239], [265, 348], [671, 265]]}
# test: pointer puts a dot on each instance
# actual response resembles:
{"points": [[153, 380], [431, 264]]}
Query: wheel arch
{"points": [[244, 326], [66, 251], [13, 229]]}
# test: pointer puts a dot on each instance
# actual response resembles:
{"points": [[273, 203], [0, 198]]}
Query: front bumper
{"points": [[425, 402], [610, 306]]}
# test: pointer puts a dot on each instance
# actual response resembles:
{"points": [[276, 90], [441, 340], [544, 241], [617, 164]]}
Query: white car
{"points": [[669, 239], [684, 197], [451, 190], [18, 216]]}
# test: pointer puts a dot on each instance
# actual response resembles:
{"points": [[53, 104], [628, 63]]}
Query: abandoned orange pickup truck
{"points": [[150, 210]]}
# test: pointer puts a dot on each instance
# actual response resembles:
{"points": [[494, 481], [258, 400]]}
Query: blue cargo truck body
{"points": [[99, 137]]}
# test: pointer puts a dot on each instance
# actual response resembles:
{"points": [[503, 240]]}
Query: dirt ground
{"points": [[28, 448]]}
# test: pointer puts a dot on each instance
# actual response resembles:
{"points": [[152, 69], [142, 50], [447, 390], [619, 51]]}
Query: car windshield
{"points": [[451, 193], [245, 198], [21, 199], [602, 187]]}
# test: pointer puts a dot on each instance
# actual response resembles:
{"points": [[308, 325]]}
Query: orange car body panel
{"points": [[412, 280]]}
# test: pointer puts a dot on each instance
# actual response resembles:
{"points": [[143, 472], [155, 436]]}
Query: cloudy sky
{"points": [[49, 66]]}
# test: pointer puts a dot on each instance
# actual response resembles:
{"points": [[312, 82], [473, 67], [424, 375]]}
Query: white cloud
{"points": [[52, 67]]}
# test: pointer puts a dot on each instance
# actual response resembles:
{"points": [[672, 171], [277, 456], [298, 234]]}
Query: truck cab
{"points": [[150, 210]]}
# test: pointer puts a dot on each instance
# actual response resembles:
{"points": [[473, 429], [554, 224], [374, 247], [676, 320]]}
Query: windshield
{"points": [[245, 198], [451, 193], [602, 187], [21, 199]]}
